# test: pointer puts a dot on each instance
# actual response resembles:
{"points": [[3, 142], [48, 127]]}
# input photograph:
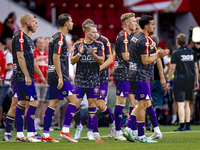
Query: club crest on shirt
{"points": [[95, 49], [21, 40], [108, 44], [125, 41], [60, 43]]}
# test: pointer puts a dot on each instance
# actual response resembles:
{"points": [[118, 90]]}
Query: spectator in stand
{"points": [[41, 57], [47, 39], [7, 30], [13, 17], [71, 67], [4, 88], [9, 44]]}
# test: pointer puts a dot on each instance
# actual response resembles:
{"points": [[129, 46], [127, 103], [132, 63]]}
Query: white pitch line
{"points": [[107, 136]]}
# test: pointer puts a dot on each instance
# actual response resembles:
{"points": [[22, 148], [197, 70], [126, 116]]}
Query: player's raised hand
{"points": [[91, 50], [80, 48], [60, 83], [44, 82], [28, 81]]}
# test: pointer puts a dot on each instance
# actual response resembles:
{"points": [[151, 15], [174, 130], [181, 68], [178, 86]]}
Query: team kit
{"points": [[135, 54]]}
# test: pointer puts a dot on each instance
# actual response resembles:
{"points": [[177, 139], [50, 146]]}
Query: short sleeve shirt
{"points": [[58, 45], [139, 45], [87, 69], [185, 59], [121, 66], [104, 74], [22, 43]]}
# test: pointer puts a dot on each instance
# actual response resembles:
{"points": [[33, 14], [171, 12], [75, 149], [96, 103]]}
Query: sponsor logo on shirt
{"points": [[187, 57], [95, 49], [132, 66], [134, 39]]}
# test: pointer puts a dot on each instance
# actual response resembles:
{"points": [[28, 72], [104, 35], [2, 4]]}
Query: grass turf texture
{"points": [[171, 141]]}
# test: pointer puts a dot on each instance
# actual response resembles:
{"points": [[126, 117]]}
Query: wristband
{"points": [[79, 54], [167, 81]]}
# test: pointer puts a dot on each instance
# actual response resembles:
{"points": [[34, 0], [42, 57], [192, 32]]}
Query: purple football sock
{"points": [[77, 116], [118, 116], [30, 116], [9, 123], [130, 109], [108, 116], [132, 122], [19, 118], [96, 125], [141, 128], [91, 118], [49, 113], [69, 114], [152, 116]]}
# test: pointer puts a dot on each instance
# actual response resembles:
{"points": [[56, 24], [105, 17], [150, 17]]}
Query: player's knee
{"points": [[22, 103]]}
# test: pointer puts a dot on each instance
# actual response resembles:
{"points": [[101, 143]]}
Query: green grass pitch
{"points": [[189, 140]]}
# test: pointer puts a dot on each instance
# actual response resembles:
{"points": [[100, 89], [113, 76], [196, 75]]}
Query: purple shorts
{"points": [[141, 90], [122, 88], [65, 91], [103, 90], [90, 92], [14, 93], [24, 92]]}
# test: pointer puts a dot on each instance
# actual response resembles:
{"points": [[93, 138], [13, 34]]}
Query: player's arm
{"points": [[171, 71], [161, 73], [8, 68], [109, 54], [107, 62], [22, 64], [196, 84], [124, 47], [39, 58], [76, 53]]}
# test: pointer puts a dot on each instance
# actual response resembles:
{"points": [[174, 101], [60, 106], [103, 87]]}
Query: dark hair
{"points": [[10, 15], [145, 20], [2, 41], [155, 38], [75, 38], [62, 19], [181, 39]]}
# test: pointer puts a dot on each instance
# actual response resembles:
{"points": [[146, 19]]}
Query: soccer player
{"points": [[123, 88], [139, 73], [23, 75], [104, 78], [184, 64], [89, 55], [58, 79]]}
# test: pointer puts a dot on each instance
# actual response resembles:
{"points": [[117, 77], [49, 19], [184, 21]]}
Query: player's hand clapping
{"points": [[162, 53], [91, 51], [80, 49]]}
